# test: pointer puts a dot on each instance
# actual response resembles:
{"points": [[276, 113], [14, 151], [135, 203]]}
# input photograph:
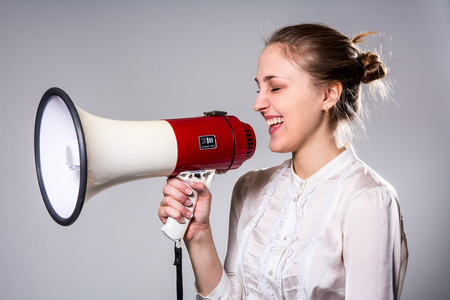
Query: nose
{"points": [[261, 102]]}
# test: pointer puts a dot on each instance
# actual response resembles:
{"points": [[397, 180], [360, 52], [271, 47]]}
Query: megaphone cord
{"points": [[178, 265]]}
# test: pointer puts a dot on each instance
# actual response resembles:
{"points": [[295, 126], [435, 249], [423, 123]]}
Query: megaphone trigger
{"points": [[174, 230]]}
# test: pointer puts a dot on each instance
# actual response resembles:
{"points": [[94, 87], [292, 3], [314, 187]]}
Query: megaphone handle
{"points": [[174, 230]]}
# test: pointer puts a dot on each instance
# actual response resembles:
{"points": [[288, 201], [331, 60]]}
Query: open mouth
{"points": [[274, 121]]}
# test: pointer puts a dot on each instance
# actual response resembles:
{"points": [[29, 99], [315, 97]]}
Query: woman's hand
{"points": [[176, 198]]}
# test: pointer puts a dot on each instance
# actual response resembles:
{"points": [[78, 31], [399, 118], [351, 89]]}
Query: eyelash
{"points": [[272, 90]]}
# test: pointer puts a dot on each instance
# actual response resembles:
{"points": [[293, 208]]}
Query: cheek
{"points": [[305, 117]]}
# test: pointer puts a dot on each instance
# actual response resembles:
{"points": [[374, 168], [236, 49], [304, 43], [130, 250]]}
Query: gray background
{"points": [[147, 60]]}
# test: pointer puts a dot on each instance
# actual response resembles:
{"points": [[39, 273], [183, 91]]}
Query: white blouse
{"points": [[336, 235]]}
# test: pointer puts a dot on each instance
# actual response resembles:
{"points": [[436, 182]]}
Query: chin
{"points": [[278, 148]]}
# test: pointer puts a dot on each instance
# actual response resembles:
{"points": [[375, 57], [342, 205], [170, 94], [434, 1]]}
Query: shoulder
{"points": [[249, 186], [258, 178], [363, 181], [365, 192]]}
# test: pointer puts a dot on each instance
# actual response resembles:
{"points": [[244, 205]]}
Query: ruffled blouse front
{"points": [[335, 235]]}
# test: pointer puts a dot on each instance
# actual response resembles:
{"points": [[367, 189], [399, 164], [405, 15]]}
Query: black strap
{"points": [[178, 264]]}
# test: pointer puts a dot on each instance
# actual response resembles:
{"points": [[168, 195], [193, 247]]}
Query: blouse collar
{"points": [[330, 169]]}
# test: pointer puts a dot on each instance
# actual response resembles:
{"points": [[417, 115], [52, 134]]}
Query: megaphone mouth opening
{"points": [[60, 156]]}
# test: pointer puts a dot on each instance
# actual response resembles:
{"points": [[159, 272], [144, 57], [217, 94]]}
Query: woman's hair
{"points": [[329, 56]]}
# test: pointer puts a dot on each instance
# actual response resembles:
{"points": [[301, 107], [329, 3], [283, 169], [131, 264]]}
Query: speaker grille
{"points": [[251, 141]]}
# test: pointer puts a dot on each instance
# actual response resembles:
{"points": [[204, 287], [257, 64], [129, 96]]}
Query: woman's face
{"points": [[289, 102]]}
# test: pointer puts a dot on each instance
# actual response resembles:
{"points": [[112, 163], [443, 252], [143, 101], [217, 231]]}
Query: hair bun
{"points": [[373, 68]]}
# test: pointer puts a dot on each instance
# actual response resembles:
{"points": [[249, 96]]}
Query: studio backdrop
{"points": [[138, 61]]}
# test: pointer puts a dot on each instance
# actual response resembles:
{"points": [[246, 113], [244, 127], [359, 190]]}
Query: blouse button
{"points": [[270, 273]]}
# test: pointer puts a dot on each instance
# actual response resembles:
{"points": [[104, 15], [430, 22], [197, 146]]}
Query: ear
{"points": [[332, 93]]}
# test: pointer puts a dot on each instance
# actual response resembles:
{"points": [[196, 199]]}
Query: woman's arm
{"points": [[198, 237], [205, 261], [369, 234]]}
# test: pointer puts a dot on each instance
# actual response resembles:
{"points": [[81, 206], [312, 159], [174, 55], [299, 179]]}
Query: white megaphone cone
{"points": [[78, 154]]}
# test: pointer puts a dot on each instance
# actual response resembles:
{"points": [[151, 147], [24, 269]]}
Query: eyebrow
{"points": [[267, 78]]}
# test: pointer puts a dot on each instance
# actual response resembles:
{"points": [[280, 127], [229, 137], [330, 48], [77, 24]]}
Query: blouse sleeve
{"points": [[370, 232], [228, 289]]}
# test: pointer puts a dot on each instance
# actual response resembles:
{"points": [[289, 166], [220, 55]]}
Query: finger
{"points": [[175, 214], [171, 191], [162, 214], [176, 209], [165, 212], [179, 185]]}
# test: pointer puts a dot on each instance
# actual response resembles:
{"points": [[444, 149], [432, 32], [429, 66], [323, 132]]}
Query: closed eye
{"points": [[272, 90]]}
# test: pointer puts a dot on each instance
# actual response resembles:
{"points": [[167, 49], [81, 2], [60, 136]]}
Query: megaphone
{"points": [[78, 155]]}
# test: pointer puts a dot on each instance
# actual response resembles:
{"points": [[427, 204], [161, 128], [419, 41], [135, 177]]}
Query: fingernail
{"points": [[188, 202], [189, 215], [188, 192]]}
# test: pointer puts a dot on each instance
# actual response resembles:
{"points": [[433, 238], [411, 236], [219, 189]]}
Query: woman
{"points": [[322, 225]]}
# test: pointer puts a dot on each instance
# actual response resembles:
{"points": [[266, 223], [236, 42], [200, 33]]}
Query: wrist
{"points": [[201, 238]]}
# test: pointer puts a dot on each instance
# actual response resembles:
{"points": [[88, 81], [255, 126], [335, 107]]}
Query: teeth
{"points": [[274, 121]]}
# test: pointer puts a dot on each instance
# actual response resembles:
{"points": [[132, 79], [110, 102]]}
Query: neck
{"points": [[309, 160]]}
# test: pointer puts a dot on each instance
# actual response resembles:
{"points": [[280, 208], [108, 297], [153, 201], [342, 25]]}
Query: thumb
{"points": [[201, 189]]}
